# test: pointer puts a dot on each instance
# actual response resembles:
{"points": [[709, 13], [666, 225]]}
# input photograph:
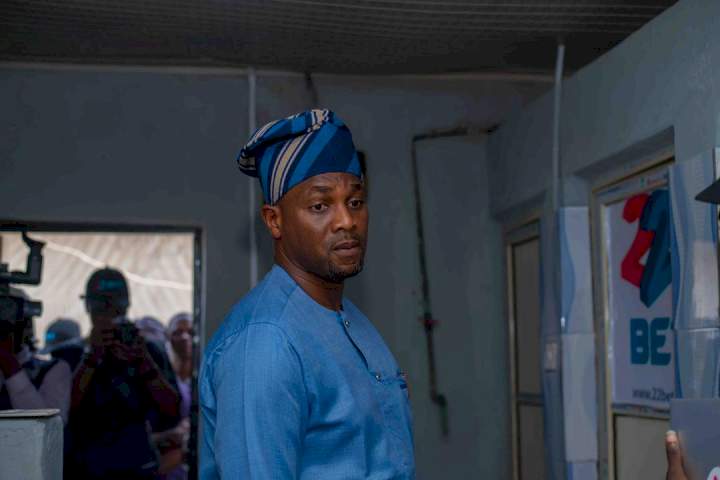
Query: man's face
{"points": [[102, 311], [323, 226]]}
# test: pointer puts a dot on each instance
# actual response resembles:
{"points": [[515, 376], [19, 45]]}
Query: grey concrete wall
{"points": [[142, 147], [663, 82], [464, 257]]}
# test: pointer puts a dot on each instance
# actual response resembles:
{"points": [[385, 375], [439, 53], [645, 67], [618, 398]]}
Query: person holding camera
{"points": [[26, 381], [122, 390]]}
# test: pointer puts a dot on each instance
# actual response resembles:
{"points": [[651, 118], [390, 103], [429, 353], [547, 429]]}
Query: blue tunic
{"points": [[290, 389]]}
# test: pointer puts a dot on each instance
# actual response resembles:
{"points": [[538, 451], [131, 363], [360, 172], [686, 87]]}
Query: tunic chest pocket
{"points": [[404, 385], [396, 410]]}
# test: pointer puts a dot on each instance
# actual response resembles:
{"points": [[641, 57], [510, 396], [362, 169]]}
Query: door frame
{"points": [[611, 189]]}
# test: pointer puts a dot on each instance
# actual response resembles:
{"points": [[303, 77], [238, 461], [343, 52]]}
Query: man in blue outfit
{"points": [[297, 383]]}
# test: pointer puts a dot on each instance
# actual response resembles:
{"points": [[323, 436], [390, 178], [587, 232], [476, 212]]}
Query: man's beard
{"points": [[336, 275]]}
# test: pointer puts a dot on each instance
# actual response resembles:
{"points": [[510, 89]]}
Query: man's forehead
{"points": [[325, 183], [331, 181]]}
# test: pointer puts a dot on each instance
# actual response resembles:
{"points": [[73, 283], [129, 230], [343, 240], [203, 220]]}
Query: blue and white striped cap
{"points": [[286, 152]]}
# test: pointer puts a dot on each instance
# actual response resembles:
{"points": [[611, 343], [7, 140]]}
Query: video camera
{"points": [[15, 309]]}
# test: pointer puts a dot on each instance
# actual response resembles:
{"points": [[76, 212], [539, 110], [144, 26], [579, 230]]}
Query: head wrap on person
{"points": [[151, 329], [286, 152], [63, 332], [176, 319]]}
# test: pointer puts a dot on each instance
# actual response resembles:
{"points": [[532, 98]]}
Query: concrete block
{"points": [[31, 445], [579, 397], [581, 471], [697, 363], [576, 295]]}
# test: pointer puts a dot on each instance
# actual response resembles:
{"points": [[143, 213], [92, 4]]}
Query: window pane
{"points": [[158, 268]]}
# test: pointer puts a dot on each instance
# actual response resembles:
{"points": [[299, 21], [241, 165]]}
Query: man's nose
{"points": [[344, 219]]}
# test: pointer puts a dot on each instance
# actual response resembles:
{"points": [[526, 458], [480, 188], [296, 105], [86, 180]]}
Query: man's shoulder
{"points": [[265, 304]]}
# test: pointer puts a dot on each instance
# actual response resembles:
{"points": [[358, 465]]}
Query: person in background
{"points": [[151, 329], [153, 332], [181, 335], [63, 341], [676, 470], [119, 392], [26, 381], [173, 443]]}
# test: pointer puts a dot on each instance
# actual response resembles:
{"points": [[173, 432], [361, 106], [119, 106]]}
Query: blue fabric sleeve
{"points": [[261, 406]]}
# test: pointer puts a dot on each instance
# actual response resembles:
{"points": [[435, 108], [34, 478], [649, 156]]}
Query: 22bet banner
{"points": [[640, 345]]}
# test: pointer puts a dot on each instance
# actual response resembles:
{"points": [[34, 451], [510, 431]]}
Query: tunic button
{"points": [[377, 377], [347, 323]]}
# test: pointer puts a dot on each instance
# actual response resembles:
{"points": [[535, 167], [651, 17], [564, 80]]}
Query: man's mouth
{"points": [[348, 248]]}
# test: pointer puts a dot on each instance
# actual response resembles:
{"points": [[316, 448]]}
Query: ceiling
{"points": [[330, 36]]}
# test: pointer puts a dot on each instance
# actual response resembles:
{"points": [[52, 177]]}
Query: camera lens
{"points": [[32, 309]]}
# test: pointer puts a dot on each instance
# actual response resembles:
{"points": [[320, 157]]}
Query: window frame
{"points": [[198, 308]]}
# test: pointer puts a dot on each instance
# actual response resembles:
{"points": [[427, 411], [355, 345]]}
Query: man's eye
{"points": [[318, 207], [357, 203]]}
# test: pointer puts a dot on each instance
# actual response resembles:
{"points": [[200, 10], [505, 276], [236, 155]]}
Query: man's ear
{"points": [[273, 220]]}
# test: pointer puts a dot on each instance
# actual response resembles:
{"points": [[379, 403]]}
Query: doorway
{"points": [[522, 247], [633, 318]]}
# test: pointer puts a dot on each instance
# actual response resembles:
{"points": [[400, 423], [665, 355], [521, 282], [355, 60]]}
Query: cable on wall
{"points": [[252, 188], [426, 317]]}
